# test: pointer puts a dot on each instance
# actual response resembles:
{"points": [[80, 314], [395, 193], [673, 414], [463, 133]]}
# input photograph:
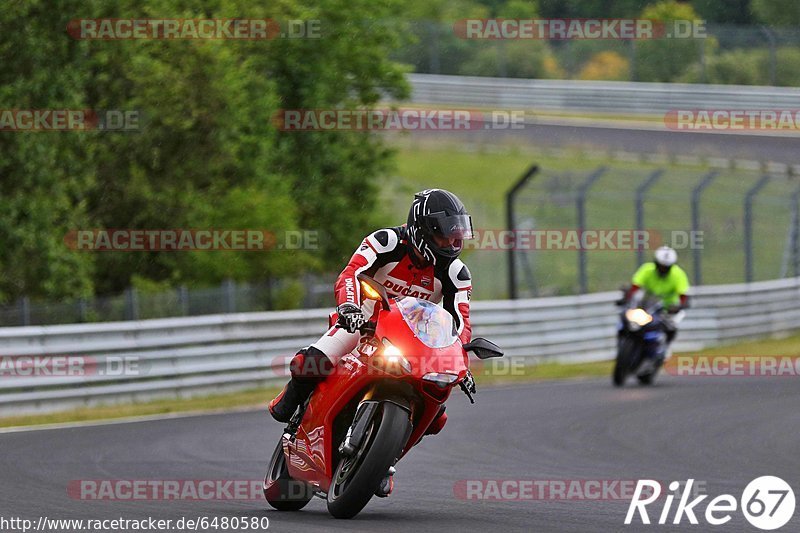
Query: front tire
{"points": [[359, 475], [647, 379], [626, 353], [280, 490]]}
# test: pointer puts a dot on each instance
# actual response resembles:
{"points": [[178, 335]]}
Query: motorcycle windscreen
{"points": [[431, 324]]}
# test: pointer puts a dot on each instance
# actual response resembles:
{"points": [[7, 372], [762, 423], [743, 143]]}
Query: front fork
{"points": [[355, 433]]}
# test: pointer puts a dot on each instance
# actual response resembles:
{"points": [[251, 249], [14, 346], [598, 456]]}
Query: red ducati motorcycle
{"points": [[374, 408]]}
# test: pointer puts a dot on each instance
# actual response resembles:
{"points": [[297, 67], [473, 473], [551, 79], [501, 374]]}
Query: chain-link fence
{"points": [[230, 297], [628, 212], [576, 231], [727, 54]]}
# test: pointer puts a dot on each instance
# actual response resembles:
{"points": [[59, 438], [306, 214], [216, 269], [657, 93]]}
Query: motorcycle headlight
{"points": [[638, 316], [439, 378], [392, 360]]}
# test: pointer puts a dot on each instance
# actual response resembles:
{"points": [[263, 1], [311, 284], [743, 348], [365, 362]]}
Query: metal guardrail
{"points": [[598, 96], [182, 356]]}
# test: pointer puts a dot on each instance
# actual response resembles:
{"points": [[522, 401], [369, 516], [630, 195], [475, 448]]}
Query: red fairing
{"points": [[312, 455]]}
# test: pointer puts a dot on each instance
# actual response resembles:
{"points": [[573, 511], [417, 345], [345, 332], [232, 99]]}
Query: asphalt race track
{"points": [[722, 432]]}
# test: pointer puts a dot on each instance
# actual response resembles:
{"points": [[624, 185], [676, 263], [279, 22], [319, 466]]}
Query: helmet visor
{"points": [[450, 227]]}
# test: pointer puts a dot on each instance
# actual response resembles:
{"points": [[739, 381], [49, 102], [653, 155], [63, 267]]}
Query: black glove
{"points": [[351, 318], [468, 386], [672, 309], [469, 382]]}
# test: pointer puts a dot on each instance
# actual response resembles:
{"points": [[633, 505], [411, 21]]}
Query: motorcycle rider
{"points": [[663, 279], [420, 259]]}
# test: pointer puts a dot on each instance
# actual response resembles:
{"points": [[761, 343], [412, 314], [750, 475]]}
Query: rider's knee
{"points": [[310, 365]]}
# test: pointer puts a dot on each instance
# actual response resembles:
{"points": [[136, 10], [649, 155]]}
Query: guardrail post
{"points": [[131, 304], [748, 226], [580, 205], [773, 59], [502, 64], [696, 192], [229, 287], [641, 191], [183, 300], [433, 60], [511, 225], [269, 284], [25, 311], [795, 231], [83, 310]]}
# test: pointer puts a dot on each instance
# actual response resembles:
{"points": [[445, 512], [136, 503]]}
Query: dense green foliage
{"points": [[207, 154]]}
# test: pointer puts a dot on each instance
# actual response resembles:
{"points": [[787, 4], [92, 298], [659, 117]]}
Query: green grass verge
{"points": [[484, 377], [541, 372], [222, 402], [789, 346]]}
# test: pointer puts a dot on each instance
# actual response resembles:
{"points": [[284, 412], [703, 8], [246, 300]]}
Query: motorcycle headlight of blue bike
{"points": [[638, 317]]}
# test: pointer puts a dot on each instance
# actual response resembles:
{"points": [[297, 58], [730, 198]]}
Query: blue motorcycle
{"points": [[641, 341]]}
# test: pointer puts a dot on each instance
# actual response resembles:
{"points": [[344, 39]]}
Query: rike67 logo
{"points": [[767, 503]]}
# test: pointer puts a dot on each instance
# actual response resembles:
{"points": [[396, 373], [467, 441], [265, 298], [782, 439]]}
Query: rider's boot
{"points": [[308, 367], [285, 404]]}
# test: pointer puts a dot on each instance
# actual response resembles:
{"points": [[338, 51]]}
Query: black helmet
{"points": [[438, 213]]}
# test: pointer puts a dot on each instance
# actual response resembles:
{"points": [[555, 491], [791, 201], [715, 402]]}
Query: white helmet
{"points": [[666, 256]]}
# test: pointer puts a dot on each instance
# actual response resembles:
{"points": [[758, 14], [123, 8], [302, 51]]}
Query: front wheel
{"points": [[647, 378], [359, 475], [626, 353], [280, 490]]}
